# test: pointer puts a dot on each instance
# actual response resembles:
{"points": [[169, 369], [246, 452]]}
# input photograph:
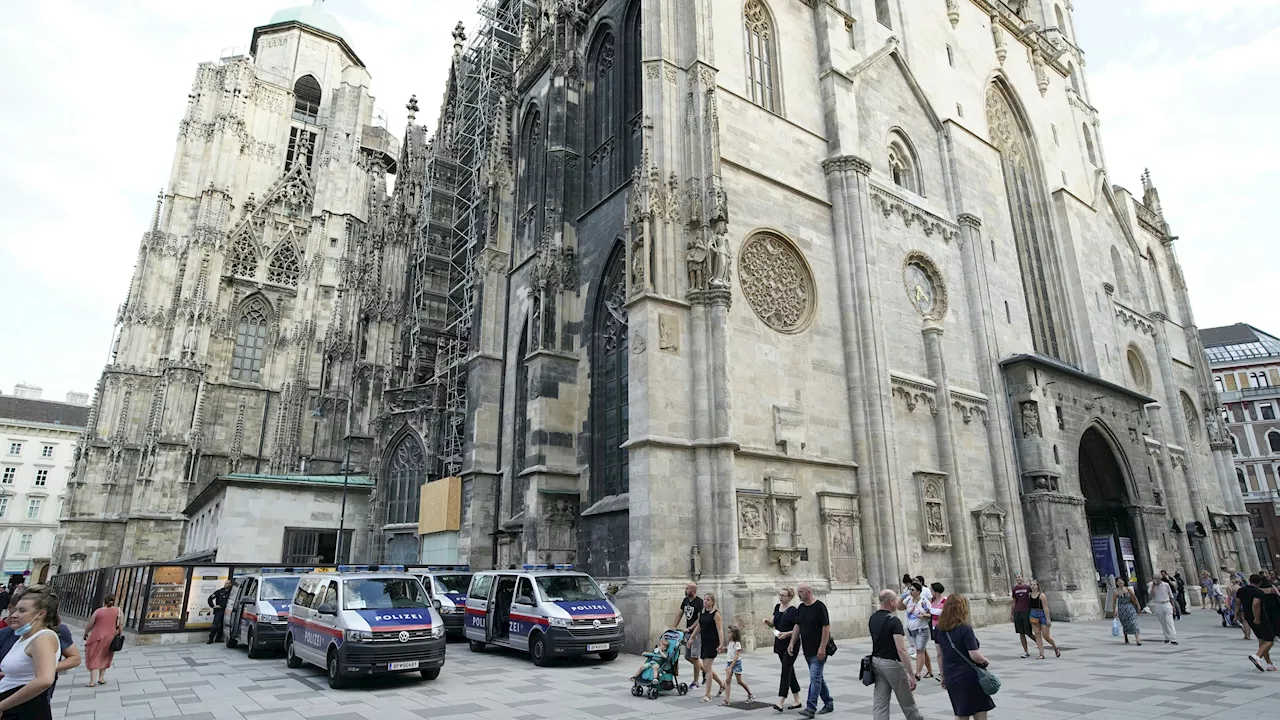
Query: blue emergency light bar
{"points": [[558, 566], [370, 568], [297, 570], [449, 568]]}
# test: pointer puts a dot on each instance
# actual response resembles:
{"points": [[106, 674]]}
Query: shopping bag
{"points": [[1115, 627]]}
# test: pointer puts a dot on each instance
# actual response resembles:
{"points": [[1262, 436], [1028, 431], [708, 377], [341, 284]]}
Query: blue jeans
{"points": [[817, 685]]}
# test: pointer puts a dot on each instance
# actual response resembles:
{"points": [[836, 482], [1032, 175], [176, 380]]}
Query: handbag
{"points": [[866, 671], [987, 680], [117, 643], [831, 646]]}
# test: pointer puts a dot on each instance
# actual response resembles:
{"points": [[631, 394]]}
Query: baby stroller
{"points": [[659, 668]]}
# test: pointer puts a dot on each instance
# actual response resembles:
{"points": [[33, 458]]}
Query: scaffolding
{"points": [[455, 225]]}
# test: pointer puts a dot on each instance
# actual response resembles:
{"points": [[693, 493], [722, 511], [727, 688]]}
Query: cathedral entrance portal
{"points": [[1117, 547]]}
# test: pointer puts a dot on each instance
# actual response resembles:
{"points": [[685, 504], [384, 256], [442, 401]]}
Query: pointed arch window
{"points": [[1075, 77], [762, 54], [1117, 269], [1244, 485], [529, 179], [306, 99], [251, 341], [243, 259], [602, 114], [633, 84], [520, 446], [284, 267], [1027, 208], [609, 377], [1088, 144], [406, 472], [902, 164]]}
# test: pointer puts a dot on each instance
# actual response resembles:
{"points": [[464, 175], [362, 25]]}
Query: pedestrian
{"points": [[903, 596], [918, 622], [1161, 594], [925, 592], [935, 611], [813, 626], [1230, 618], [1180, 586], [710, 629], [889, 662], [733, 666], [70, 657], [218, 601], [103, 626], [1238, 607], [690, 611], [960, 654], [1206, 589], [1020, 612], [31, 665], [1253, 604], [4, 601], [1215, 589], [1040, 620], [1127, 609], [783, 624]]}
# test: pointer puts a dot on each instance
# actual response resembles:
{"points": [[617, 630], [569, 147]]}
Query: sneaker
{"points": [[693, 686], [807, 713], [1257, 662], [1272, 668], [826, 709], [1025, 655]]}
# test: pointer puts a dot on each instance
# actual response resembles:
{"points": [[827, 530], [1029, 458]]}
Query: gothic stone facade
{"points": [[239, 316], [827, 291]]}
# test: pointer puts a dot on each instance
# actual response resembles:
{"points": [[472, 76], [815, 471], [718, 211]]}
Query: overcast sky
{"points": [[96, 89]]}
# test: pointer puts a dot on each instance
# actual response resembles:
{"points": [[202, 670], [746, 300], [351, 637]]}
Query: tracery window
{"points": [[530, 182], [609, 376], [1027, 208], [306, 99], [762, 54], [633, 85], [902, 165], [520, 448], [406, 472], [1117, 269], [284, 267], [243, 259], [602, 113], [1088, 144], [251, 341]]}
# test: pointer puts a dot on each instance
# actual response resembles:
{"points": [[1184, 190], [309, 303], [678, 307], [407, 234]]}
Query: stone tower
{"points": [[241, 315]]}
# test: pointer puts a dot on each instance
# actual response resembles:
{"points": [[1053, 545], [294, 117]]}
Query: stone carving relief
{"points": [[842, 536], [777, 282], [969, 407], [924, 285], [933, 510], [1030, 413], [785, 547], [890, 204], [751, 522], [669, 333], [915, 393], [990, 521], [1191, 418]]}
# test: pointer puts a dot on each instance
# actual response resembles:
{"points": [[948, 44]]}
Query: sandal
{"points": [[1039, 657], [1057, 652], [778, 708], [1139, 643], [724, 703], [927, 675], [797, 706], [706, 698]]}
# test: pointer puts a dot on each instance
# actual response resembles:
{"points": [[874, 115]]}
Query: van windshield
{"points": [[279, 588], [383, 594], [560, 588], [453, 583]]}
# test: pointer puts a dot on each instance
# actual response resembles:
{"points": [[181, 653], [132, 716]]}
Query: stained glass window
{"points": [[251, 341], [529, 187], [601, 113], [405, 474], [521, 441], [609, 376], [634, 85]]}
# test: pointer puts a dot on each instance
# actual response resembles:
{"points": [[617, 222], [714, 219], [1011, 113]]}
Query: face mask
{"points": [[23, 630]]}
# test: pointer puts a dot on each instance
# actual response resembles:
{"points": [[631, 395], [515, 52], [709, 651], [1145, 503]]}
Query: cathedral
{"points": [[748, 292]]}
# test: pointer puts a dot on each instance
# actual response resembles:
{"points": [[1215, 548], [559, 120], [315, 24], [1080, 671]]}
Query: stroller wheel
{"points": [[683, 689], [653, 693], [637, 690]]}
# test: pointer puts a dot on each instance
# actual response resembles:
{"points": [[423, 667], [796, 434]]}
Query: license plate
{"points": [[412, 665], [597, 647]]}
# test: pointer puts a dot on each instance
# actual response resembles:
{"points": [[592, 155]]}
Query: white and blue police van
{"points": [[362, 621], [257, 614], [447, 585], [549, 611]]}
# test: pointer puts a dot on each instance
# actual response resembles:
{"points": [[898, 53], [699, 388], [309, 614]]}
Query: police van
{"points": [[547, 611], [362, 621], [258, 608], [447, 585]]}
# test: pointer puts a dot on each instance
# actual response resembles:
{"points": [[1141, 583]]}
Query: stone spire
{"points": [[1150, 195]]}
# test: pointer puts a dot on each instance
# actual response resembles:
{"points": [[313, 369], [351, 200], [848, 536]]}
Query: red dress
{"points": [[97, 648]]}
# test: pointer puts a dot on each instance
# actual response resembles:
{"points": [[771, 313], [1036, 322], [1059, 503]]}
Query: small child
{"points": [[648, 663], [1218, 595], [734, 665]]}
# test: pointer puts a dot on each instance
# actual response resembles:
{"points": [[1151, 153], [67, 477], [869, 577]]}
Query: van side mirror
{"points": [[327, 609]]}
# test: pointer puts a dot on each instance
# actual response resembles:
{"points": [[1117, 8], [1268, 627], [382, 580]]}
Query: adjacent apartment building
{"points": [[37, 446], [1246, 369]]}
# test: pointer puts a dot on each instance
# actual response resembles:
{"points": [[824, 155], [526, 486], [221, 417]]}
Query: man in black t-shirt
{"points": [[1251, 607], [814, 625], [690, 611], [890, 661]]}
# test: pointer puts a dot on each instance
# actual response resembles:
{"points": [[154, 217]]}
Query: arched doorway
{"points": [[1115, 539]]}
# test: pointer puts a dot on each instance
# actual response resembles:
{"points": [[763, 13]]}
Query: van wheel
{"points": [[254, 650], [231, 640], [609, 656], [538, 650], [291, 660], [430, 673], [337, 680], [475, 645]]}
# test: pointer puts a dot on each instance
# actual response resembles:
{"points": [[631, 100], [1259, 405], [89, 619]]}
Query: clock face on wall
{"points": [[920, 288]]}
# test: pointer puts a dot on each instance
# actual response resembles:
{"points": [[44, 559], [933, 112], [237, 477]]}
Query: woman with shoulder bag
{"points": [[100, 640], [1127, 609], [961, 661], [783, 624]]}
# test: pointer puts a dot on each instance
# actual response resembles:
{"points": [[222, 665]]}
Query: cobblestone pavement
{"points": [[1206, 676]]}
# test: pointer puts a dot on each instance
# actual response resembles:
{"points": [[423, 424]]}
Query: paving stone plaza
{"points": [[1206, 676]]}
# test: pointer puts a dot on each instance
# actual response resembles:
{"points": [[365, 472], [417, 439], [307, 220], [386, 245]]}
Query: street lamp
{"points": [[332, 396]]}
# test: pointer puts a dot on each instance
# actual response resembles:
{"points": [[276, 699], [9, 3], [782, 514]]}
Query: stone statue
{"points": [[719, 260], [1030, 420], [696, 260], [189, 343]]}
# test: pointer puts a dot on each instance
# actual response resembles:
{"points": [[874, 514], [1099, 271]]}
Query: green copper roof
{"points": [[312, 17], [330, 480]]}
